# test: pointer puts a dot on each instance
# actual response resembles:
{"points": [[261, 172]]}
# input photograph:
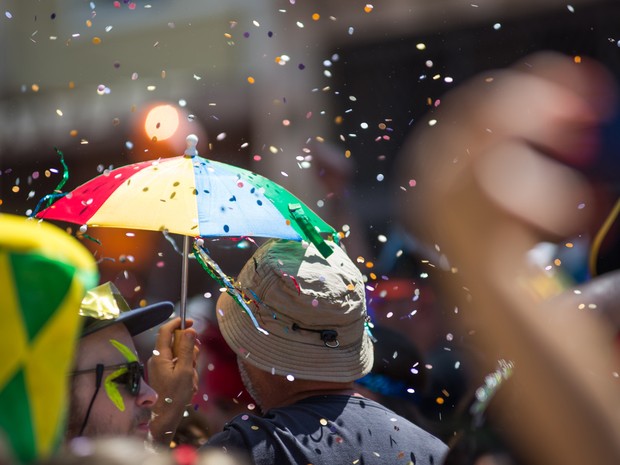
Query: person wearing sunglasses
{"points": [[109, 392]]}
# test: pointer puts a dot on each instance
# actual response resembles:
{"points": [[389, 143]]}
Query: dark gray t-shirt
{"points": [[330, 430]]}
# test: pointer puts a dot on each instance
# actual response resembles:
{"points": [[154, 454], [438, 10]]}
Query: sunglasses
{"points": [[130, 374]]}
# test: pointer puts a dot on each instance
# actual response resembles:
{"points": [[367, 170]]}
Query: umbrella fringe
{"points": [[49, 199], [214, 270], [310, 231]]}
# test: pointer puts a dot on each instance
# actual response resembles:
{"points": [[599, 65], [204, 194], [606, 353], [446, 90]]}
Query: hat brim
{"points": [[137, 320], [279, 355]]}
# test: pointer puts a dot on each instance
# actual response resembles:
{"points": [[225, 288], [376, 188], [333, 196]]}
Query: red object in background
{"points": [[185, 454], [220, 381]]}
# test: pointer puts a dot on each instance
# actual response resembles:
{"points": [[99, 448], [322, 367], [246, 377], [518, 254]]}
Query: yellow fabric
{"points": [[168, 189], [49, 356], [22, 234], [14, 348], [44, 360]]}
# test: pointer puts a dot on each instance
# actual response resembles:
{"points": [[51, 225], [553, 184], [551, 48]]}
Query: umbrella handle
{"points": [[184, 280]]}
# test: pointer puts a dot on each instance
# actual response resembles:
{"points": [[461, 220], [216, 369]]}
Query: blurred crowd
{"points": [[494, 321]]}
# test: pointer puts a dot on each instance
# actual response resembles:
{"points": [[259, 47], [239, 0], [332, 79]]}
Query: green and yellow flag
{"points": [[44, 273]]}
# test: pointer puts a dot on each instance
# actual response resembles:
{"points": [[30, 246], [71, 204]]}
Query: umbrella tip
{"points": [[192, 141]]}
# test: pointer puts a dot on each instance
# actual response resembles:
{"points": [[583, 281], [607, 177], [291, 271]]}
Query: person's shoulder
{"points": [[381, 413]]}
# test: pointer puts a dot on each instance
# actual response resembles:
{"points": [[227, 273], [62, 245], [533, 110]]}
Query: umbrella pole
{"points": [[184, 280]]}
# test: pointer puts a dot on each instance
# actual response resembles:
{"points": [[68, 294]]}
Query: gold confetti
{"points": [[251, 80], [96, 40]]}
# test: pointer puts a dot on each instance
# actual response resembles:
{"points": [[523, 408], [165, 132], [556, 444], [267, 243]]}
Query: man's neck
{"points": [[289, 393], [300, 395]]}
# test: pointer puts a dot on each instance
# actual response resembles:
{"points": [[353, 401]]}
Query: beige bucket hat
{"points": [[311, 311]]}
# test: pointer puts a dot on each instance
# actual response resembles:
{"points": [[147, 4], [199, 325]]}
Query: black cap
{"points": [[104, 306]]}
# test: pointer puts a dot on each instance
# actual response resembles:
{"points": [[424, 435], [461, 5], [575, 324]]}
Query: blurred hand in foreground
{"points": [[496, 171]]}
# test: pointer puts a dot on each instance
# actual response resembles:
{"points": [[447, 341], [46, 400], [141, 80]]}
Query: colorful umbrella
{"points": [[192, 196]]}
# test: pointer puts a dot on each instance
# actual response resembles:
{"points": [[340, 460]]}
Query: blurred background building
{"points": [[316, 95]]}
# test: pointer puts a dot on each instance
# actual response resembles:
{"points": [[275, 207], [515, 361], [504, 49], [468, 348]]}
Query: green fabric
{"points": [[281, 198], [39, 298], [15, 418]]}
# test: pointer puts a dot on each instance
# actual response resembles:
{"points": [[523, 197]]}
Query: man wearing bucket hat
{"points": [[298, 325], [109, 395]]}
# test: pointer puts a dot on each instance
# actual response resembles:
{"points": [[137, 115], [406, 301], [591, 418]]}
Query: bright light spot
{"points": [[161, 122]]}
